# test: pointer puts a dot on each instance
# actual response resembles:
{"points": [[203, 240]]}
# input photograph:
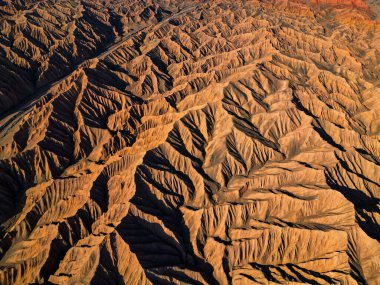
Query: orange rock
{"points": [[189, 142]]}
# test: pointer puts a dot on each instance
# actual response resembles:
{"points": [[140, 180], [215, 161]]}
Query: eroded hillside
{"points": [[189, 142]]}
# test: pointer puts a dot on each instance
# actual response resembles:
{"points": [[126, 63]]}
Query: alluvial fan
{"points": [[189, 142]]}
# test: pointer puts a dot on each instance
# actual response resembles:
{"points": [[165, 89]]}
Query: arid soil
{"points": [[189, 142]]}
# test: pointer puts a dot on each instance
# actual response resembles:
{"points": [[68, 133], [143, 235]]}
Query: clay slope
{"points": [[189, 142]]}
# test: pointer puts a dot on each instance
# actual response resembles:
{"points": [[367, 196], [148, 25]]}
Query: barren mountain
{"points": [[189, 142]]}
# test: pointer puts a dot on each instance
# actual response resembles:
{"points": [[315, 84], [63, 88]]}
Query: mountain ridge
{"points": [[197, 142]]}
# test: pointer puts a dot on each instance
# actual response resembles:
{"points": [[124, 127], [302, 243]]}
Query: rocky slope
{"points": [[189, 142]]}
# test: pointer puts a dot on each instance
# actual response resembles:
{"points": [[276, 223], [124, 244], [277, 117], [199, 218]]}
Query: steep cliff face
{"points": [[189, 142]]}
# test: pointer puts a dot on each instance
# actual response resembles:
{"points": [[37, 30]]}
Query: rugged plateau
{"points": [[189, 142]]}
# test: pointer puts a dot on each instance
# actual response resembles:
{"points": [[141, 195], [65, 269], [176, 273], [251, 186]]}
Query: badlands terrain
{"points": [[189, 142]]}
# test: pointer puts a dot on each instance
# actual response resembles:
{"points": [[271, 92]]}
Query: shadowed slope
{"points": [[223, 142]]}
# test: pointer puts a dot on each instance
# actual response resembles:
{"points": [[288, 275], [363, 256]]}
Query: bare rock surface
{"points": [[189, 142]]}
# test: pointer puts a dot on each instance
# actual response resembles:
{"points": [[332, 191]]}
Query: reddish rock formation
{"points": [[353, 3], [189, 142]]}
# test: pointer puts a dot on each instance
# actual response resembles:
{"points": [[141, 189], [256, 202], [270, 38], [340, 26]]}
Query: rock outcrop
{"points": [[189, 142]]}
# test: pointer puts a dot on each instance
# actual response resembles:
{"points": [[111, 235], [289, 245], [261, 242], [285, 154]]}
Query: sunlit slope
{"points": [[203, 142]]}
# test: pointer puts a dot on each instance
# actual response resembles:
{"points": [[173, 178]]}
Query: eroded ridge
{"points": [[203, 142]]}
